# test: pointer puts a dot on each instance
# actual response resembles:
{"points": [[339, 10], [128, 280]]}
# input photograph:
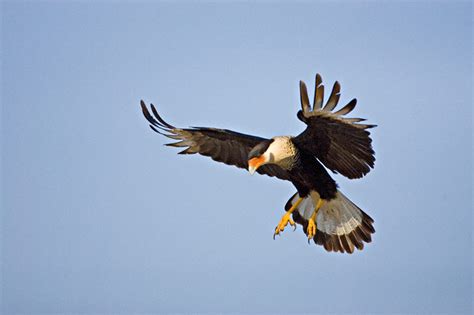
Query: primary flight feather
{"points": [[343, 145]]}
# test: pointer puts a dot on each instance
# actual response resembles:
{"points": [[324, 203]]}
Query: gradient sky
{"points": [[98, 217]]}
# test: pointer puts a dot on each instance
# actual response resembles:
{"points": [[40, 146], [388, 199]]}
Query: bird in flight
{"points": [[343, 145]]}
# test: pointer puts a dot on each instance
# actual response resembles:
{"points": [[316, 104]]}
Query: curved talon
{"points": [[286, 218], [283, 223], [275, 234], [311, 230], [292, 223]]}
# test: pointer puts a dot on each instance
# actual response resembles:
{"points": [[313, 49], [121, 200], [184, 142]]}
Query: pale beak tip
{"points": [[252, 170]]}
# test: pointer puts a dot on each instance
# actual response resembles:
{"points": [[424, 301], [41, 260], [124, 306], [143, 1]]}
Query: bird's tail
{"points": [[341, 225]]}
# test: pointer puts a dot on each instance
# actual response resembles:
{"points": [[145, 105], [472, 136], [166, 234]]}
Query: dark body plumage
{"points": [[342, 145], [308, 174]]}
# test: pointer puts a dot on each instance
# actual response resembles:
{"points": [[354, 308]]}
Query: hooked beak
{"points": [[255, 163]]}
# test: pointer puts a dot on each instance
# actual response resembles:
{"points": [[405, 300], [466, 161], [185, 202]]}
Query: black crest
{"points": [[260, 148]]}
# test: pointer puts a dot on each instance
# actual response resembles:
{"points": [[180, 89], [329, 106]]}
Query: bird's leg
{"points": [[311, 230], [286, 218]]}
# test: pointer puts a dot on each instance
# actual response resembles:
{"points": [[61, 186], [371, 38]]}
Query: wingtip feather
{"points": [[348, 108], [334, 97], [304, 97], [318, 79], [318, 92], [158, 117]]}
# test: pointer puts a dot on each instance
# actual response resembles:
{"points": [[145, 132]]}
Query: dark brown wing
{"points": [[342, 144], [221, 145]]}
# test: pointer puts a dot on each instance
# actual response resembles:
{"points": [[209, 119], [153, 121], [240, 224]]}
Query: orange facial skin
{"points": [[255, 163]]}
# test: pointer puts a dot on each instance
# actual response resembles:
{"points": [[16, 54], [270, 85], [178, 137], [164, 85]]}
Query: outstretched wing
{"points": [[221, 145], [342, 144]]}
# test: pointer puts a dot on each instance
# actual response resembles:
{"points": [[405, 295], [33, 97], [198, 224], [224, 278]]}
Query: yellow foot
{"points": [[283, 223], [311, 230]]}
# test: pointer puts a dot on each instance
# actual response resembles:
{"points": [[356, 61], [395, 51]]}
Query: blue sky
{"points": [[98, 217]]}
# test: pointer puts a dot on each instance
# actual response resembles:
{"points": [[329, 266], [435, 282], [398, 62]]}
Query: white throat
{"points": [[282, 152]]}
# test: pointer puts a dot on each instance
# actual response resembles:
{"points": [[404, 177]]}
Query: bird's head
{"points": [[278, 150], [259, 155]]}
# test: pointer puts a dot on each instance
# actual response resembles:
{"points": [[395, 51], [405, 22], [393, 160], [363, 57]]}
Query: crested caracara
{"points": [[330, 140]]}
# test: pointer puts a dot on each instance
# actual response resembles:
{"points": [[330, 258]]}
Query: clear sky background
{"points": [[98, 217]]}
